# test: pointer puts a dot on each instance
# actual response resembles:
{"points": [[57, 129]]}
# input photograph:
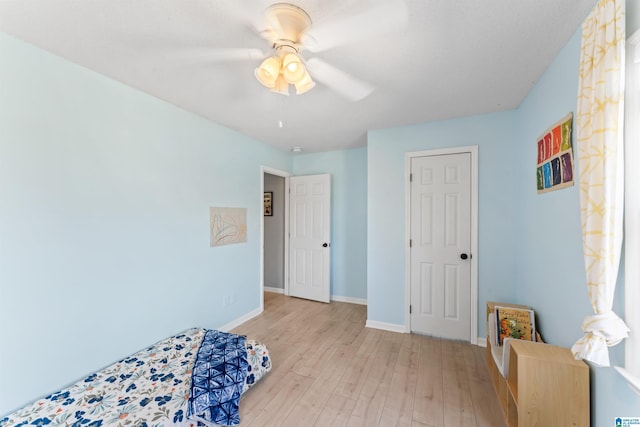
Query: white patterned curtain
{"points": [[599, 131]]}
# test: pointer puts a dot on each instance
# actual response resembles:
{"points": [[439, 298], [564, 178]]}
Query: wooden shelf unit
{"points": [[499, 382], [545, 385]]}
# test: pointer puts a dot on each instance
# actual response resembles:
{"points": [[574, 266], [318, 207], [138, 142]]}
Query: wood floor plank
{"points": [[375, 385], [330, 370], [429, 401], [285, 401], [485, 405], [315, 398], [402, 390], [336, 412], [458, 407]]}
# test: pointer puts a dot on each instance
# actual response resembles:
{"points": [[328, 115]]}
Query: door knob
{"points": [[324, 245], [464, 256]]}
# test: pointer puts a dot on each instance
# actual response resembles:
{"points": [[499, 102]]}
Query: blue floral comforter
{"points": [[149, 388]]}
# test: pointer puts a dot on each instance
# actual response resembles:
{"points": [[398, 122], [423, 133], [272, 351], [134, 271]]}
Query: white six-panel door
{"points": [[309, 244], [440, 223]]}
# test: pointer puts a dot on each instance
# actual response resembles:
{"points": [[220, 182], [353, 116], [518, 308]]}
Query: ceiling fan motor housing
{"points": [[287, 23]]}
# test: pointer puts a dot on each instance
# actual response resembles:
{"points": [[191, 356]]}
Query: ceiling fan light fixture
{"points": [[267, 73], [281, 86], [292, 68], [305, 84], [287, 24]]}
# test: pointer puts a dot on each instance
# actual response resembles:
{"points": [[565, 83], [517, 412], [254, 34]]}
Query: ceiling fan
{"points": [[289, 31]]}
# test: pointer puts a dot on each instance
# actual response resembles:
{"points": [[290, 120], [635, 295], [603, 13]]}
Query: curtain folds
{"points": [[599, 134]]}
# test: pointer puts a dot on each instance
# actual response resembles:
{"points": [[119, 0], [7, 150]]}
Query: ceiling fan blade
{"points": [[254, 16], [213, 55], [234, 54], [383, 18], [345, 84]]}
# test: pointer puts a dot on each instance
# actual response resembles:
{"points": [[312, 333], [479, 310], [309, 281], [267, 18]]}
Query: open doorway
{"points": [[274, 229], [274, 271]]}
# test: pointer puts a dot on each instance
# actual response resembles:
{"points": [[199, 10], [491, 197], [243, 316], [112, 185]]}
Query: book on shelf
{"points": [[517, 323]]}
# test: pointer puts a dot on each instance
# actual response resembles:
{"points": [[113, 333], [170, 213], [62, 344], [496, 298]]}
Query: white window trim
{"points": [[631, 371]]}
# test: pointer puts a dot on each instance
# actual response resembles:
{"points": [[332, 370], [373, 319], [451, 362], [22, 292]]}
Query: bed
{"points": [[194, 378]]}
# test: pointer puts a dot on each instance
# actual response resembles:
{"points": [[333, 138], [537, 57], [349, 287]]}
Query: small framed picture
{"points": [[268, 203]]}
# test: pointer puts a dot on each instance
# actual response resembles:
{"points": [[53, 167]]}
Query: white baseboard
{"points": [[360, 301], [482, 341], [240, 320], [392, 327]]}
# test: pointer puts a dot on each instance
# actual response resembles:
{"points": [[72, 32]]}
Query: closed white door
{"points": [[440, 245], [309, 245]]}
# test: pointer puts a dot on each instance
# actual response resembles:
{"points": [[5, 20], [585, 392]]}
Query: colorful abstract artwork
{"points": [[555, 157], [227, 226]]}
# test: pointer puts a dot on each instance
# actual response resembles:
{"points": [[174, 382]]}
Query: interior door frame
{"points": [[285, 175], [473, 151]]}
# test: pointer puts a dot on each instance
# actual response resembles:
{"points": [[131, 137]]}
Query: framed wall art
{"points": [[268, 203], [227, 226], [554, 168]]}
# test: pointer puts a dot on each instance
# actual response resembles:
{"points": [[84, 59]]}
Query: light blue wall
{"points": [[348, 169], [551, 266], [104, 216], [551, 275], [494, 134]]}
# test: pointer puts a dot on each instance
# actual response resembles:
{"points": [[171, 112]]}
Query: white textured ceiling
{"points": [[454, 58]]}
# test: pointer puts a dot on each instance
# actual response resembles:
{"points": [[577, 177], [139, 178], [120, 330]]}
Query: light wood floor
{"points": [[329, 370]]}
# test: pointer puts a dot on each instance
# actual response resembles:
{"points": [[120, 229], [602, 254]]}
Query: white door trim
{"points": [[285, 175], [473, 150]]}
